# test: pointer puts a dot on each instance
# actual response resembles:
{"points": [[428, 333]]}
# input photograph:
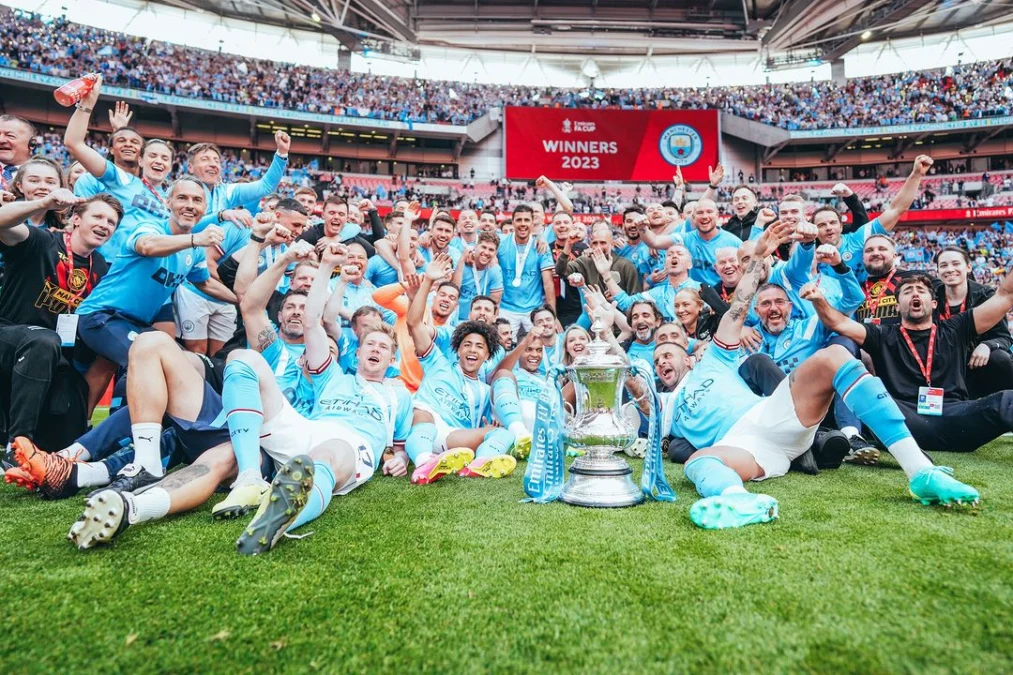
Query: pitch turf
{"points": [[460, 577]]}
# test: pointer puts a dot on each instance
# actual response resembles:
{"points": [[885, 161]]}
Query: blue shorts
{"points": [[165, 314], [109, 334], [194, 438]]}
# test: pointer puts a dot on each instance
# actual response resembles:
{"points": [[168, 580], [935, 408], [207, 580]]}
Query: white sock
{"points": [[151, 504], [76, 451], [850, 432], [732, 489], [247, 477], [909, 456], [519, 430], [92, 474], [147, 447]]}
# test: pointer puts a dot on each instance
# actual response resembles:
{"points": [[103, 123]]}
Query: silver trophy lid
{"points": [[597, 354]]}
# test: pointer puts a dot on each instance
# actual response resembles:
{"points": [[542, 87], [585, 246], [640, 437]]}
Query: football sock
{"points": [[419, 444], [497, 442], [147, 447], [320, 495], [506, 402], [244, 413], [90, 474], [712, 477], [151, 504], [850, 432], [870, 401], [75, 451]]}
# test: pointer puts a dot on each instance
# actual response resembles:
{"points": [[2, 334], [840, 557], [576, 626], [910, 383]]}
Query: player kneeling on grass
{"points": [[450, 433], [747, 437]]}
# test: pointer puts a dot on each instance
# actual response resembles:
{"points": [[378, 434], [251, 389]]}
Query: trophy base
{"points": [[602, 488]]}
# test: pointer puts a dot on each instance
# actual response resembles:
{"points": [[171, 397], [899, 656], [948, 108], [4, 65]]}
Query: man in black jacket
{"points": [[990, 364], [337, 228]]}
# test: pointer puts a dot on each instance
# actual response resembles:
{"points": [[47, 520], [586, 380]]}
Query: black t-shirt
{"points": [[38, 282], [899, 370], [880, 296]]}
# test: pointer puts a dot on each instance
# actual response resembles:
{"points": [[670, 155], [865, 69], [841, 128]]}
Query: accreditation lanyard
{"points": [[875, 300], [480, 281], [946, 308], [924, 366], [519, 260], [70, 273], [151, 188]]}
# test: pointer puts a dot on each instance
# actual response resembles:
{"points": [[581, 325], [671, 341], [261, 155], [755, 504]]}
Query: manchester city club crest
{"points": [[680, 145]]}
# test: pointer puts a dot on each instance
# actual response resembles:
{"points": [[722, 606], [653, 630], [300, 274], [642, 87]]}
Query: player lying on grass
{"points": [[451, 432], [746, 437], [354, 419]]}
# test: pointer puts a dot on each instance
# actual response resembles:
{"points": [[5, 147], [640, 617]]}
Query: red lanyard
{"points": [[70, 273], [724, 293], [946, 307], [160, 198], [874, 301], [924, 366]]}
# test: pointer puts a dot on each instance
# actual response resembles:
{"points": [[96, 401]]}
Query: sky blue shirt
{"points": [[137, 286], [853, 243], [461, 401], [799, 340], [478, 282], [530, 294], [380, 412], [529, 385], [348, 344], [285, 360], [641, 351], [234, 195], [139, 203], [712, 398], [662, 295], [704, 253]]}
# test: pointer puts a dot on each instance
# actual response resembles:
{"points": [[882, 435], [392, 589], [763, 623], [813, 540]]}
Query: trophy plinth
{"points": [[598, 478]]}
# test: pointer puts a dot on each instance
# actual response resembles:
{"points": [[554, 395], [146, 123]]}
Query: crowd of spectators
{"points": [[61, 48]]}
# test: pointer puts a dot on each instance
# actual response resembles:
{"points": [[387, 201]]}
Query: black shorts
{"points": [[214, 371]]}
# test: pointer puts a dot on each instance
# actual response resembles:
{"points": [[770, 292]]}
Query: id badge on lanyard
{"points": [[930, 399]]}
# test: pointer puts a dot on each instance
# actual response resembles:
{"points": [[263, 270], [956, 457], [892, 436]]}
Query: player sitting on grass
{"points": [[453, 405], [747, 437]]}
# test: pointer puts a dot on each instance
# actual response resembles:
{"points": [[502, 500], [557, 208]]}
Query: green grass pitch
{"points": [[461, 577]]}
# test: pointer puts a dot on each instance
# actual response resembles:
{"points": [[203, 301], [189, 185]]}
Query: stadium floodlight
{"points": [[866, 35]]}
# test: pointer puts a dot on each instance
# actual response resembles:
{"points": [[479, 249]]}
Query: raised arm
{"points": [[730, 327], [902, 201], [830, 317], [653, 240], [852, 294], [715, 176], [561, 199], [253, 303], [162, 245], [14, 214], [317, 345], [244, 193], [420, 332], [77, 131], [375, 223], [332, 310]]}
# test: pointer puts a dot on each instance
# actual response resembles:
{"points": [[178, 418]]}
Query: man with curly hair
{"points": [[452, 429]]}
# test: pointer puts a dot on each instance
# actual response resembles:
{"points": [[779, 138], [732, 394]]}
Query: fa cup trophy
{"points": [[598, 428]]}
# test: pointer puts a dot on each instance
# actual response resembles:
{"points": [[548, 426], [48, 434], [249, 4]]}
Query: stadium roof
{"points": [[795, 30]]}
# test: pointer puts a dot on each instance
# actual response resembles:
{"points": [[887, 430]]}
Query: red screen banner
{"points": [[624, 145]]}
